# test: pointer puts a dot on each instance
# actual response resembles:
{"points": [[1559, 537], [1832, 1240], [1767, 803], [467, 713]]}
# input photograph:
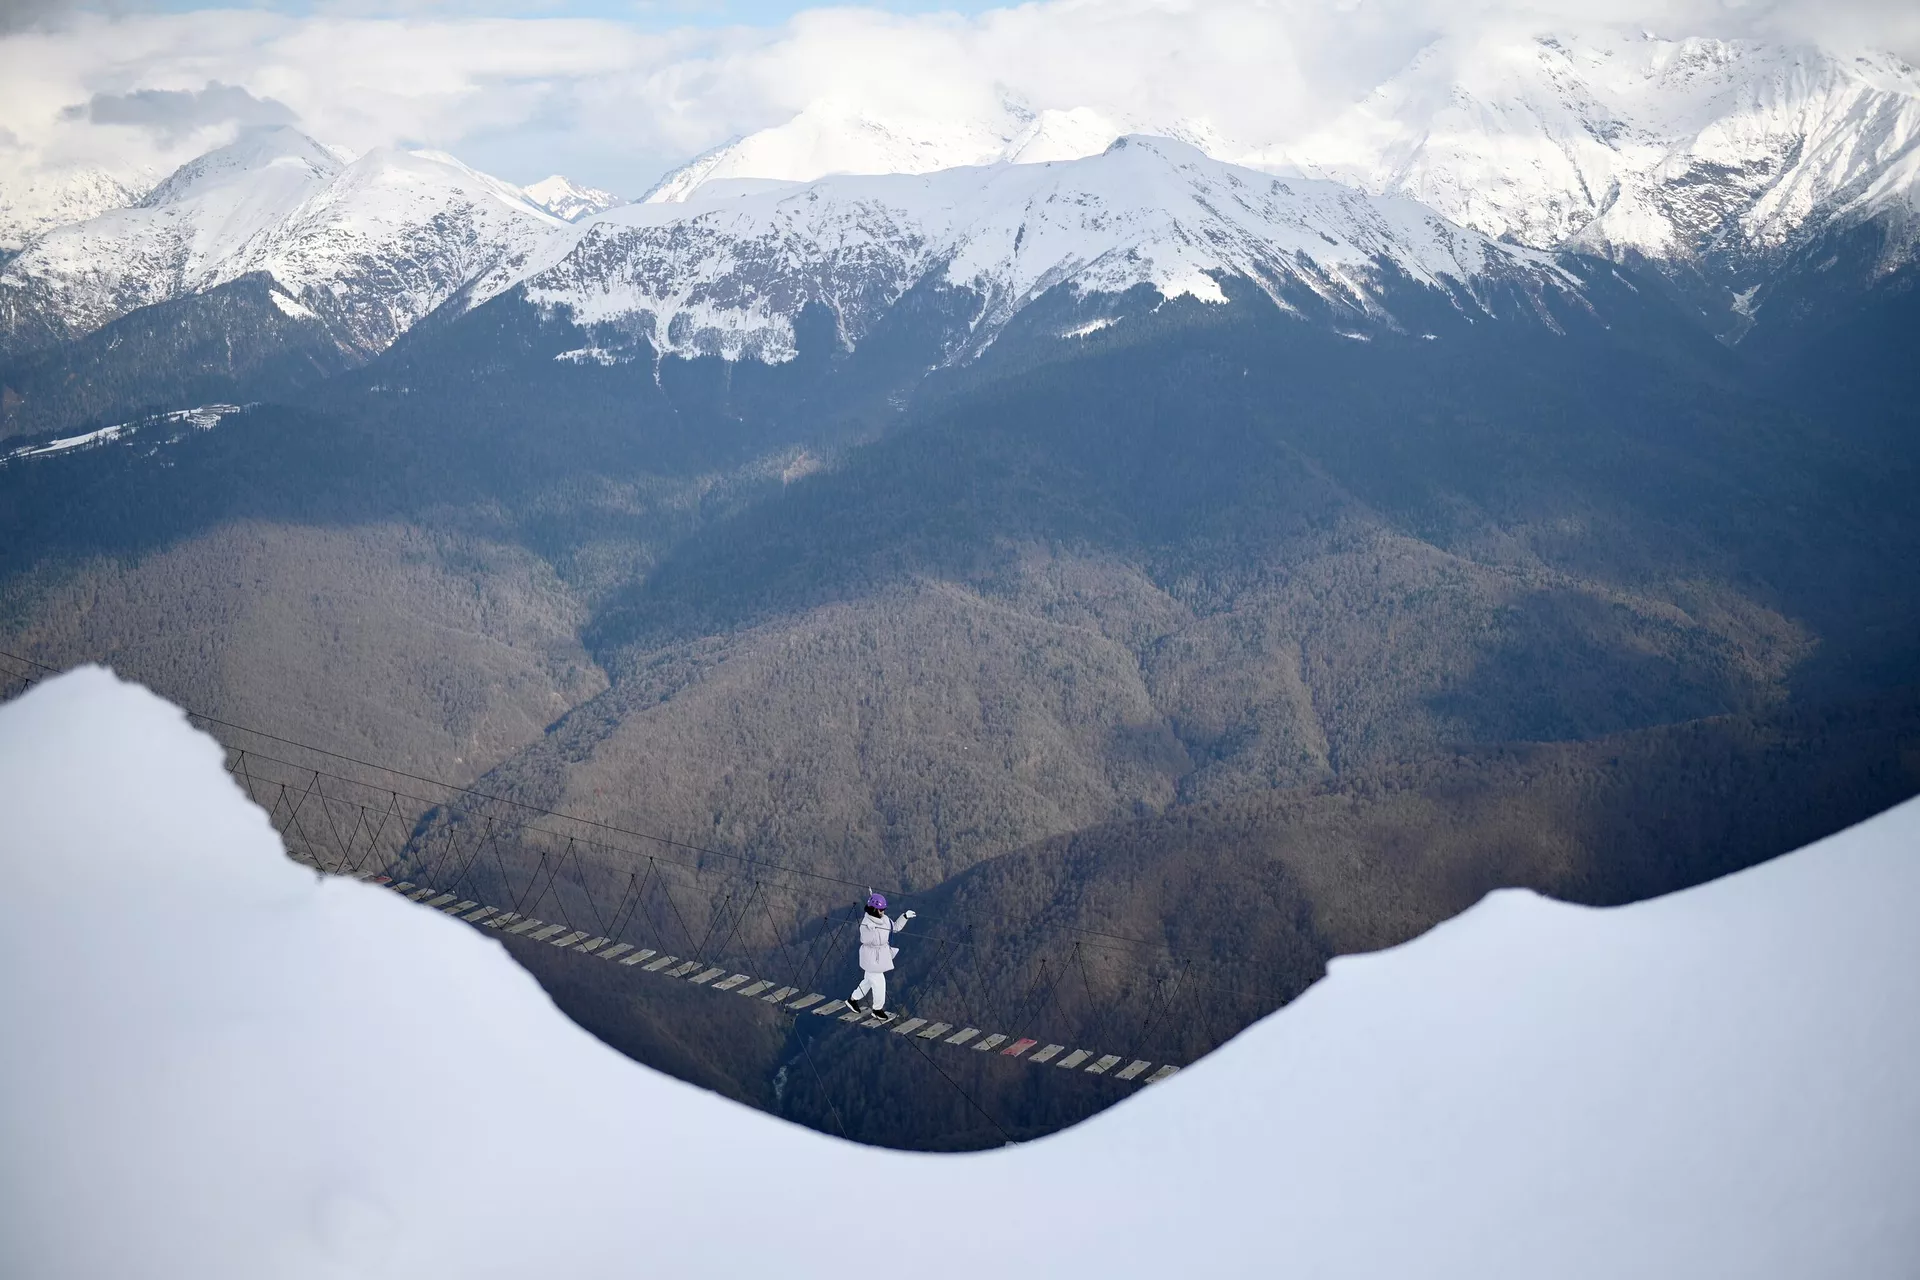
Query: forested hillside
{"points": [[1219, 629]]}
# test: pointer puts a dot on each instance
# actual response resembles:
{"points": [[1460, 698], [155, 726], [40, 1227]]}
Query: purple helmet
{"points": [[877, 901]]}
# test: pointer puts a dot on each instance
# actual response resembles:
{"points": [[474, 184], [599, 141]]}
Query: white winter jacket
{"points": [[876, 938]]}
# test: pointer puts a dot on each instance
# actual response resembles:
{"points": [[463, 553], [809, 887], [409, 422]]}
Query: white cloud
{"points": [[615, 104]]}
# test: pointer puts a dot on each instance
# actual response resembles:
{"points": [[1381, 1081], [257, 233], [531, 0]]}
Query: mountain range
{"points": [[1255, 549], [1707, 158], [729, 271], [1711, 163]]}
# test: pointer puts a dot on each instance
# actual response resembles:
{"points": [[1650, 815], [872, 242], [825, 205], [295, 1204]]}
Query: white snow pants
{"points": [[877, 984]]}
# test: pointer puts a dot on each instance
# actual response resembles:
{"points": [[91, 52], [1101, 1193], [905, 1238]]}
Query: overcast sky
{"points": [[615, 91]]}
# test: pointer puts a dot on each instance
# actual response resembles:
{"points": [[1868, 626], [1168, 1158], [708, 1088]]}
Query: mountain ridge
{"points": [[372, 244], [1708, 160], [729, 274], [1714, 165]]}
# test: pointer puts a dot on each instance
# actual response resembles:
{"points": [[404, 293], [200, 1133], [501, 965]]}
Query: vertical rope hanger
{"points": [[668, 891], [521, 903], [614, 927], [753, 891]]}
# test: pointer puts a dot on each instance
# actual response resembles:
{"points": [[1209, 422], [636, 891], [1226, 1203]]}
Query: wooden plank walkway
{"points": [[678, 968]]}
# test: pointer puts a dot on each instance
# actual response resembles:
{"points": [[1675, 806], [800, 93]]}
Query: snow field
{"points": [[221, 1065]]}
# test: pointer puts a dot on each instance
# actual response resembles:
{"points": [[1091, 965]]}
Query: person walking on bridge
{"points": [[876, 954]]}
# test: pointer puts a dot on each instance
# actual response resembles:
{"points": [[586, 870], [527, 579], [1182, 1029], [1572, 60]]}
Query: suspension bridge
{"points": [[717, 979], [662, 910]]}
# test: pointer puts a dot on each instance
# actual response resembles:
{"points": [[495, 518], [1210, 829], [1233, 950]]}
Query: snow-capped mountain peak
{"points": [[183, 236], [568, 200], [832, 136], [373, 245], [1062, 135], [286, 152], [394, 235], [1628, 144], [727, 272], [1712, 159]]}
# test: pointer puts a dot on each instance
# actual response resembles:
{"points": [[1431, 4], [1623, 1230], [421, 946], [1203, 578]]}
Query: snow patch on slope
{"points": [[244, 1070], [590, 355], [288, 307], [200, 418]]}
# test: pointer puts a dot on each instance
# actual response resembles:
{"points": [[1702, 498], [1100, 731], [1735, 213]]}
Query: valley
{"points": [[1255, 557]]}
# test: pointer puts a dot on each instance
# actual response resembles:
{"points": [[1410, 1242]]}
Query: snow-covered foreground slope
{"points": [[374, 244], [216, 1065], [728, 272]]}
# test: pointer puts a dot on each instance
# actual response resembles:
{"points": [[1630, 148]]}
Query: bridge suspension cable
{"points": [[399, 827]]}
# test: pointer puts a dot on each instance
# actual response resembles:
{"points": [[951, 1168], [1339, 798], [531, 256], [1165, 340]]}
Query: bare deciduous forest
{"points": [[1213, 631]]}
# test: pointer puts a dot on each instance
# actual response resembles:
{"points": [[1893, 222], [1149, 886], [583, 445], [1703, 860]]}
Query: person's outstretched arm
{"points": [[901, 923]]}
